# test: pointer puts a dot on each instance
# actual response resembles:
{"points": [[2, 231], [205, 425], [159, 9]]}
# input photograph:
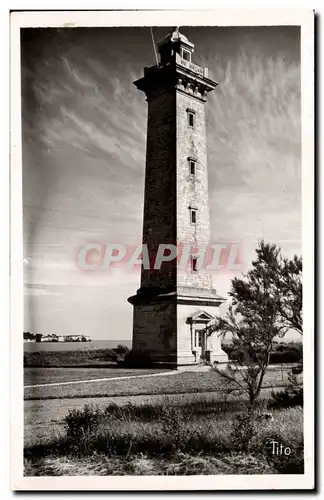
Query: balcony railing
{"points": [[191, 66]]}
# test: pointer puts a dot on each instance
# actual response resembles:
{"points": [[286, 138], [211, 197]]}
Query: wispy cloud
{"points": [[254, 149]]}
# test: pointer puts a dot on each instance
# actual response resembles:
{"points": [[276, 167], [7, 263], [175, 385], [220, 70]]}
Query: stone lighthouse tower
{"points": [[175, 302]]}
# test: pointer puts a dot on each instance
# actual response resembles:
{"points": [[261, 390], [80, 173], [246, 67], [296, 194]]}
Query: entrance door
{"points": [[201, 341]]}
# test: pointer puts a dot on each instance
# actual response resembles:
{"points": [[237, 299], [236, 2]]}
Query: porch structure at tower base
{"points": [[171, 326]]}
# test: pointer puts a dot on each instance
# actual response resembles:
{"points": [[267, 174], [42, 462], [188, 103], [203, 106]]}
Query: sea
{"points": [[74, 346]]}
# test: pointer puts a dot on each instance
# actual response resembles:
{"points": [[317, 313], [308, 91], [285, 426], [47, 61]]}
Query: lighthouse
{"points": [[175, 303]]}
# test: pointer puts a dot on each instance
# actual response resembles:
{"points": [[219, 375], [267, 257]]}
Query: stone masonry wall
{"points": [[155, 330], [170, 189], [192, 191], [160, 186]]}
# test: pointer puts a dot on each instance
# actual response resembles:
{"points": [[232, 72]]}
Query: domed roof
{"points": [[175, 36]]}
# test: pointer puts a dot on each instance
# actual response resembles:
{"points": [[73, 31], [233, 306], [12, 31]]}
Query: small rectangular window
{"points": [[186, 55], [193, 217], [191, 119], [192, 166], [194, 264]]}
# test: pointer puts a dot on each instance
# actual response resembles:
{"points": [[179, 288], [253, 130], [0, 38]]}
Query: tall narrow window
{"points": [[198, 338], [194, 264], [193, 216], [192, 166], [191, 117]]}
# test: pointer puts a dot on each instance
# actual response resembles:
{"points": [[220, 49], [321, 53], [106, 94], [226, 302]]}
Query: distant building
{"points": [[46, 338], [39, 337], [77, 338]]}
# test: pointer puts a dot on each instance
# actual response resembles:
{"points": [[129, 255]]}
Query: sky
{"points": [[84, 133]]}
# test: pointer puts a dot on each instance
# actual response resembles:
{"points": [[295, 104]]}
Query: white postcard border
{"points": [[230, 17]]}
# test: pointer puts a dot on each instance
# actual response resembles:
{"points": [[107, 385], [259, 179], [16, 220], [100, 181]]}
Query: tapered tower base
{"points": [[171, 327]]}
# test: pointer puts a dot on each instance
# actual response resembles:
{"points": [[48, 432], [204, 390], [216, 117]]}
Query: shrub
{"points": [[81, 426], [287, 353], [292, 395], [121, 349], [138, 359], [287, 398], [297, 370], [282, 353], [177, 423], [288, 356], [121, 430], [243, 429]]}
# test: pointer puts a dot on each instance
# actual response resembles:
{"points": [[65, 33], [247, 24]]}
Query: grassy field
{"points": [[41, 375], [46, 407], [45, 417], [169, 437], [70, 358], [175, 383], [177, 423]]}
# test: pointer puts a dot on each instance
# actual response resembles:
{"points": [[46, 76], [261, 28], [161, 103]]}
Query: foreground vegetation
{"points": [[142, 465], [171, 439], [210, 431]]}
